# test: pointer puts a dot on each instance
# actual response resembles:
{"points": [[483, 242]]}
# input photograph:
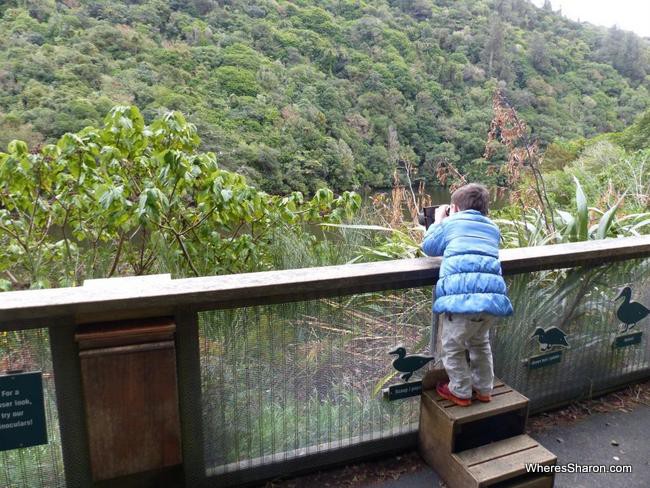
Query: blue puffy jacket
{"points": [[470, 275]]}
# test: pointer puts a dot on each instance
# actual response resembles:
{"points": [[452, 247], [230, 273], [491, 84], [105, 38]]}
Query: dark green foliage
{"points": [[610, 167], [298, 95], [637, 136]]}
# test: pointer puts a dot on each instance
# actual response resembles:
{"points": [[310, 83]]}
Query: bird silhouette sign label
{"points": [[542, 360], [630, 339], [407, 365], [405, 390]]}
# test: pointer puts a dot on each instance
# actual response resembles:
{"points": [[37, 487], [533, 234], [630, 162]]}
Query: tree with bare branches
{"points": [[524, 157]]}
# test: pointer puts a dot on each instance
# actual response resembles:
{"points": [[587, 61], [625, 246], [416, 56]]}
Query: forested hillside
{"points": [[296, 95]]}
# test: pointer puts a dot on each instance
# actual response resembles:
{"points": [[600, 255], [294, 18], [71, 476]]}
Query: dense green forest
{"points": [[299, 95]]}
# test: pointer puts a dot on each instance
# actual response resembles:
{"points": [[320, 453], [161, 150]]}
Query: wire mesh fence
{"points": [[582, 346], [284, 381], [37, 466], [288, 380]]}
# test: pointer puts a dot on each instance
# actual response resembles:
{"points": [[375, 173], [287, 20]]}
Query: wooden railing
{"points": [[159, 296]]}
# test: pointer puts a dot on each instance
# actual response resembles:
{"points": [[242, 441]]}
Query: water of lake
{"points": [[440, 195]]}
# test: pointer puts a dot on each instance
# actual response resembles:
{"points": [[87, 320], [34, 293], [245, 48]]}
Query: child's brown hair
{"points": [[471, 197]]}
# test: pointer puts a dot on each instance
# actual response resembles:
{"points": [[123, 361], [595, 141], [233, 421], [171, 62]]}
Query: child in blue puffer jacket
{"points": [[470, 293]]}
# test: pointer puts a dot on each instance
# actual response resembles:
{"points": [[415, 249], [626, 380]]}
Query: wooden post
{"points": [[128, 372], [437, 372]]}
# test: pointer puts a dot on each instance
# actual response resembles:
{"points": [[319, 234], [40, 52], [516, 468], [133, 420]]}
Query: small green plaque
{"points": [[543, 360], [22, 411], [628, 339], [404, 390]]}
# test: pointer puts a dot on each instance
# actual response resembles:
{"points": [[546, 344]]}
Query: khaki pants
{"points": [[467, 332]]}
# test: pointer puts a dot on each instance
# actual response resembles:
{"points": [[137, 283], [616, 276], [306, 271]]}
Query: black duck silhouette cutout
{"points": [[408, 364], [549, 338], [630, 313]]}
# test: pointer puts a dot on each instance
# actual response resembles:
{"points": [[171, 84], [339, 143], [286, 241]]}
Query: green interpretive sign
{"points": [[544, 360], [628, 339], [22, 411], [404, 390]]}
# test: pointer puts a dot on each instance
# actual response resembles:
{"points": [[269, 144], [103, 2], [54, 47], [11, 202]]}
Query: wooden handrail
{"points": [[137, 297]]}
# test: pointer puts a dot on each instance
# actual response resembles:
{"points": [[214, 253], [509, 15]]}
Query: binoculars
{"points": [[427, 215]]}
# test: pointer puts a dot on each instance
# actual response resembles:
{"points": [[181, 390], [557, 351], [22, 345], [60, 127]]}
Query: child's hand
{"points": [[442, 212]]}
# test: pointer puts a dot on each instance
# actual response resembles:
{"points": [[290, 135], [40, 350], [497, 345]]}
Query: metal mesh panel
{"points": [[37, 466], [582, 303], [284, 381]]}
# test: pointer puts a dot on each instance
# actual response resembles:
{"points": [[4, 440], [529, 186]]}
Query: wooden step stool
{"points": [[484, 444]]}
